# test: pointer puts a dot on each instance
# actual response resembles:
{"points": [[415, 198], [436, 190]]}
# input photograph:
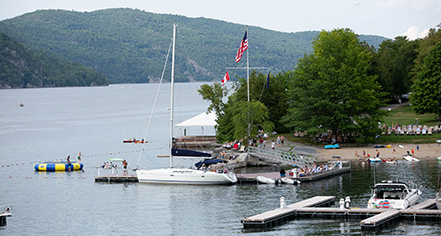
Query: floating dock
{"points": [[373, 219], [116, 178], [251, 177]]}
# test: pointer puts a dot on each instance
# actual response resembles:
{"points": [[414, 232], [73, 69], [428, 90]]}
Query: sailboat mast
{"points": [[172, 82]]}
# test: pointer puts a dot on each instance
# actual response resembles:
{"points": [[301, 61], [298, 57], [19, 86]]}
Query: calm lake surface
{"points": [[56, 122]]}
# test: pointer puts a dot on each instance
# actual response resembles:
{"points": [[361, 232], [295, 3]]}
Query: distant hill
{"points": [[21, 68], [130, 46]]}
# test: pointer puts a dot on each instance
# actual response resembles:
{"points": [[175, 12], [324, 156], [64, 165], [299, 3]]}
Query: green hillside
{"points": [[130, 45], [21, 68]]}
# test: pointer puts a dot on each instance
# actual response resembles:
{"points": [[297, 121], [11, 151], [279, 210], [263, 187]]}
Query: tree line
{"points": [[21, 68], [337, 89]]}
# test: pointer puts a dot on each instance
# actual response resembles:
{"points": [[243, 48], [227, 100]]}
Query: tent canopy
{"points": [[200, 120]]}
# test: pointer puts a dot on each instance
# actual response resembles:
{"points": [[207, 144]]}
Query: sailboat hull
{"points": [[185, 176]]}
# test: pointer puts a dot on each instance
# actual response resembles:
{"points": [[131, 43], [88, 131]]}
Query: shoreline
{"points": [[425, 152]]}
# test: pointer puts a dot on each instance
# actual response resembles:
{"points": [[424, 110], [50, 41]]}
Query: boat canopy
{"points": [[189, 153], [208, 162]]}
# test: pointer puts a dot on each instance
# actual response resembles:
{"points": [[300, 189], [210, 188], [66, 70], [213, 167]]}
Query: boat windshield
{"points": [[390, 191]]}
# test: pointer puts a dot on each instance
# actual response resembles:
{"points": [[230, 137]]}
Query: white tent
{"points": [[201, 120]]}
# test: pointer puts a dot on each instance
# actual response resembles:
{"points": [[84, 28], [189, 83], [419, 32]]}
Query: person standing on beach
{"points": [[378, 153], [418, 147]]}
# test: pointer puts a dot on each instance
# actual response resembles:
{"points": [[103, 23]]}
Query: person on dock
{"points": [[125, 167], [282, 172]]}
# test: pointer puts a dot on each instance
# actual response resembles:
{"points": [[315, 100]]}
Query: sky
{"points": [[388, 18]]}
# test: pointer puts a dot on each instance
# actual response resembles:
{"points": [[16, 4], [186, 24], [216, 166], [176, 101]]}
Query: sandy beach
{"points": [[425, 152]]}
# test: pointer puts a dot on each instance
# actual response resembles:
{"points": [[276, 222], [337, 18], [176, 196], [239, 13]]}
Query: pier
{"points": [[116, 178], [373, 219], [251, 177]]}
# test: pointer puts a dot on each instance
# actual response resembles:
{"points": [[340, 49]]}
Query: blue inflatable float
{"points": [[334, 146], [58, 166]]}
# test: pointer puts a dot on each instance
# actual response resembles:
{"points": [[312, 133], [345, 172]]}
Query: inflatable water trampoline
{"points": [[58, 166]]}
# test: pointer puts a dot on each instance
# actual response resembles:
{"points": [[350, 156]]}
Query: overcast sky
{"points": [[388, 18]]}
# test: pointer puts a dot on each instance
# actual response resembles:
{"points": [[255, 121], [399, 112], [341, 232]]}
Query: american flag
{"points": [[242, 48]]}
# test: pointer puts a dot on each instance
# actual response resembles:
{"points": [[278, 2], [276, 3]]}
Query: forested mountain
{"points": [[21, 68], [130, 45]]}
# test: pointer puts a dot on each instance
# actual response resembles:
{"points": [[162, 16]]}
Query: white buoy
{"points": [[282, 203]]}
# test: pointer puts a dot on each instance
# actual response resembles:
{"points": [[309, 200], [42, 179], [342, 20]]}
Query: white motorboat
{"points": [[287, 180], [410, 158], [171, 175], [266, 180], [391, 194]]}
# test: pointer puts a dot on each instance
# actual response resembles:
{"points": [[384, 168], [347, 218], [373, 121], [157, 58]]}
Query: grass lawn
{"points": [[403, 116]]}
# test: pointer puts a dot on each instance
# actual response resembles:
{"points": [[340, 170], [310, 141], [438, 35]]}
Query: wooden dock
{"points": [[373, 219], [251, 177], [281, 215], [116, 178]]}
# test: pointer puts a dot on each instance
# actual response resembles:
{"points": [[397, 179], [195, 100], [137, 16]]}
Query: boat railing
{"points": [[112, 170], [284, 157]]}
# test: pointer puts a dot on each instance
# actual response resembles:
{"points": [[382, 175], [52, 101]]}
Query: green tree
{"points": [[394, 62], [331, 88], [271, 91], [426, 96], [214, 94]]}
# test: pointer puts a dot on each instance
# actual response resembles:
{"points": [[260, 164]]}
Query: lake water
{"points": [[56, 122]]}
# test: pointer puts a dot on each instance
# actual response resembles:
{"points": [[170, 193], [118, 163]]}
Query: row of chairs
{"points": [[412, 130]]}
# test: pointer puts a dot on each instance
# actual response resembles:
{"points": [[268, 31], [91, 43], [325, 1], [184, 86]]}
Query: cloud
{"points": [[413, 33]]}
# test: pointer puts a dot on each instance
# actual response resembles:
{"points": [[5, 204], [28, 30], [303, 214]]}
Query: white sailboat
{"points": [[183, 175]]}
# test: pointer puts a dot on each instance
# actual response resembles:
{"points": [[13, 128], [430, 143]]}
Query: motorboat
{"points": [[266, 180], [287, 180], [392, 194], [410, 158]]}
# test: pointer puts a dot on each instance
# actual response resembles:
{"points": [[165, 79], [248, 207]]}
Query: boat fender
{"points": [[342, 203], [347, 202]]}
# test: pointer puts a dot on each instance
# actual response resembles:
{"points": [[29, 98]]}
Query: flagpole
{"points": [[248, 96], [248, 70]]}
